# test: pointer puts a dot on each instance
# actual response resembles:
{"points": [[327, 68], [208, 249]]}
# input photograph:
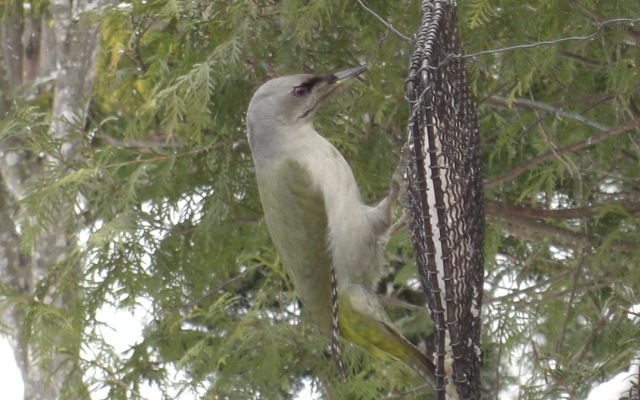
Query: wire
{"points": [[388, 25], [516, 47], [549, 42]]}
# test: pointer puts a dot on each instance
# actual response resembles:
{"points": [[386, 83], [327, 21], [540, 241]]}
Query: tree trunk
{"points": [[30, 49]]}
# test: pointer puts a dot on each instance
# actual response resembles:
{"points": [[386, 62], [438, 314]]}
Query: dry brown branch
{"points": [[533, 229], [563, 150], [537, 105], [589, 98], [567, 213]]}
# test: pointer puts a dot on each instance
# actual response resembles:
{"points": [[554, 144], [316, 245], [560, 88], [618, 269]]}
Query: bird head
{"points": [[291, 101]]}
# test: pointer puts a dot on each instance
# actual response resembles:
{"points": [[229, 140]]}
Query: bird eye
{"points": [[300, 91]]}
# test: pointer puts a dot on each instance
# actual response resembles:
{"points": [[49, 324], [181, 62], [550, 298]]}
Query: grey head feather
{"points": [[283, 104]]}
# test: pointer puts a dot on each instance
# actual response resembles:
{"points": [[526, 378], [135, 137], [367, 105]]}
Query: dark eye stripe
{"points": [[311, 82], [307, 86]]}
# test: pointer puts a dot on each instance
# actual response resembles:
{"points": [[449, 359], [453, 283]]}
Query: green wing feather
{"points": [[297, 221]]}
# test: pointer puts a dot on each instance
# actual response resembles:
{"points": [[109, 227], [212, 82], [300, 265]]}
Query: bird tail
{"points": [[418, 361], [363, 322], [398, 347]]}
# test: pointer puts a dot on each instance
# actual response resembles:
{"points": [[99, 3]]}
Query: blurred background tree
{"points": [[127, 182]]}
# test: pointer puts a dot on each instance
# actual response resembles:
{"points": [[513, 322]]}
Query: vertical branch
{"points": [[11, 29], [46, 374], [77, 36], [445, 194]]}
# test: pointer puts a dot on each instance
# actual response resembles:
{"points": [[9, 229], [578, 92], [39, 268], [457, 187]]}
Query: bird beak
{"points": [[329, 84], [334, 81], [349, 73]]}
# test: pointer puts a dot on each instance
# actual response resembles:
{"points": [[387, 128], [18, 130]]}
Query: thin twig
{"points": [[579, 58], [401, 304], [112, 378], [567, 149], [410, 391], [531, 229], [554, 110], [579, 272], [222, 286], [514, 295], [566, 213], [633, 313], [401, 222], [134, 52], [595, 98], [136, 143]]}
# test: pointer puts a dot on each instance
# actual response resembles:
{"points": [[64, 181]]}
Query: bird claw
{"points": [[398, 186]]}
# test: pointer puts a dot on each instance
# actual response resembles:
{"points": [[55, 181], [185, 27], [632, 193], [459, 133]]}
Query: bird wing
{"points": [[364, 322], [295, 213]]}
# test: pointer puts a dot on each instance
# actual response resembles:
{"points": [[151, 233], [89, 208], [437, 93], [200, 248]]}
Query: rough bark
{"points": [[30, 52]]}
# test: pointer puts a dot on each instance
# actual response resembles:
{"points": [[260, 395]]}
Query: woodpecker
{"points": [[330, 243]]}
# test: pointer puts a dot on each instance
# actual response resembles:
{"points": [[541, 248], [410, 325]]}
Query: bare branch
{"points": [[563, 150], [134, 51], [567, 213], [579, 58], [570, 304], [144, 145], [532, 229], [404, 394], [596, 98], [542, 289], [222, 286], [402, 304], [113, 378], [548, 107]]}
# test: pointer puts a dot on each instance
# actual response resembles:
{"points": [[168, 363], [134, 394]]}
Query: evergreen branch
{"points": [[533, 229], [221, 286], [548, 107], [480, 12], [112, 378], [567, 213], [567, 149], [596, 98], [543, 288], [388, 25], [404, 394], [595, 331], [579, 58], [134, 52], [545, 295], [570, 304], [164, 156], [402, 304], [143, 145], [551, 42], [633, 313], [514, 294]]}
